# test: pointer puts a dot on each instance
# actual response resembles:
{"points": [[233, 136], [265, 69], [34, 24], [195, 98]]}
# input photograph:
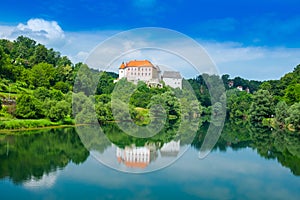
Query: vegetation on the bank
{"points": [[39, 83]]}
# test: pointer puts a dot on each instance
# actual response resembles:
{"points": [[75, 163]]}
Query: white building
{"points": [[139, 70], [171, 148], [172, 79], [136, 157], [240, 88], [144, 70]]}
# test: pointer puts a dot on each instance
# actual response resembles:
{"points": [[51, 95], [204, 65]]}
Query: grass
{"points": [[142, 117], [27, 123]]}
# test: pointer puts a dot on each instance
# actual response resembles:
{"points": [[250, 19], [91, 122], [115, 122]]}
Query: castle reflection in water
{"points": [[140, 157]]}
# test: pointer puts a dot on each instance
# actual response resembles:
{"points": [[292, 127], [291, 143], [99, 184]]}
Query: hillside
{"points": [[37, 83]]}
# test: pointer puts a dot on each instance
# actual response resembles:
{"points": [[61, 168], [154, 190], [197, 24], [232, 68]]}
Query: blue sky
{"points": [[252, 39]]}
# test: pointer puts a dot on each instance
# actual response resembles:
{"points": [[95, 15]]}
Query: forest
{"points": [[38, 88]]}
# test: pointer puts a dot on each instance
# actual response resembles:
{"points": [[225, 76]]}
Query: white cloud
{"points": [[46, 181], [161, 46], [5, 31], [252, 62], [45, 32]]}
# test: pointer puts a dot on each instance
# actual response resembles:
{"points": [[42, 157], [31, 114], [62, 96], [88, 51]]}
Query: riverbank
{"points": [[32, 124]]}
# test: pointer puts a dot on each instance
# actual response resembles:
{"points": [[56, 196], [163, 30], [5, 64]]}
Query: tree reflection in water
{"points": [[33, 154], [32, 157], [270, 144]]}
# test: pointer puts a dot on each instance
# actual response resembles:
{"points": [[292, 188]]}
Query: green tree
{"points": [[294, 116], [266, 86], [103, 111], [292, 94], [281, 113], [238, 104], [42, 74], [168, 101], [56, 95], [262, 106], [62, 86], [28, 107], [40, 54], [105, 84], [41, 93], [6, 68], [86, 80], [58, 110]]}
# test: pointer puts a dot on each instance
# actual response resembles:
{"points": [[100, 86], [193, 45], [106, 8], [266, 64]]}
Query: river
{"points": [[246, 163]]}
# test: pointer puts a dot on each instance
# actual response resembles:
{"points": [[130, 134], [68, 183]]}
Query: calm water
{"points": [[246, 163]]}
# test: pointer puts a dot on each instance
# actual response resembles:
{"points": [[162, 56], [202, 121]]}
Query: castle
{"points": [[144, 70]]}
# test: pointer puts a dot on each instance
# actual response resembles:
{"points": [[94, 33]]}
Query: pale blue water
{"points": [[230, 174]]}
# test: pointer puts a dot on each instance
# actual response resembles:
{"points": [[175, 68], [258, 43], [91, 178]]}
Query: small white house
{"points": [[172, 79]]}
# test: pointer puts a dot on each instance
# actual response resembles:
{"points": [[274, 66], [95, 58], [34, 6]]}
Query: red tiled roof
{"points": [[137, 63], [136, 164], [122, 66]]}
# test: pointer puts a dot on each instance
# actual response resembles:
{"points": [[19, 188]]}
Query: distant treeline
{"points": [[39, 83]]}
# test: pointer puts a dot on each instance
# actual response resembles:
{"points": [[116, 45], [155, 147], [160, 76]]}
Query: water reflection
{"points": [[34, 155], [171, 148], [140, 157], [120, 151], [46, 181], [269, 144], [35, 158], [136, 157]]}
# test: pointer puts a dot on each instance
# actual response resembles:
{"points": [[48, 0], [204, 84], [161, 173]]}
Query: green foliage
{"points": [[105, 84], [40, 152], [238, 104], [292, 94], [57, 110], [56, 95], [62, 86], [262, 106], [86, 80], [281, 113], [83, 109], [266, 86], [41, 93], [252, 84], [104, 98], [294, 116], [168, 101], [28, 107], [42, 75], [142, 116], [26, 123], [104, 112]]}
